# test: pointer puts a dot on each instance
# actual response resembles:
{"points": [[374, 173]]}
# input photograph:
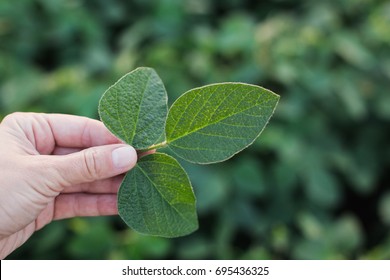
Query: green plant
{"points": [[205, 125]]}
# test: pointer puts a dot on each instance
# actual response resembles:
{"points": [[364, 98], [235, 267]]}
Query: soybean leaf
{"points": [[135, 108], [156, 198], [212, 123]]}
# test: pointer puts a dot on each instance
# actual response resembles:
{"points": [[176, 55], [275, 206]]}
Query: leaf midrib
{"points": [[165, 199], [139, 108], [120, 119], [209, 124], [142, 212]]}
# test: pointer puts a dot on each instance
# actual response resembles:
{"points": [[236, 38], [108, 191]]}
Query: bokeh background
{"points": [[315, 185]]}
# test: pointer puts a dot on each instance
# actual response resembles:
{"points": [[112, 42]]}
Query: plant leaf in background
{"points": [[156, 198], [212, 123], [135, 108]]}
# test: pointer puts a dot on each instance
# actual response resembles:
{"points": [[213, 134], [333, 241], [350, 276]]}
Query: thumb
{"points": [[94, 163]]}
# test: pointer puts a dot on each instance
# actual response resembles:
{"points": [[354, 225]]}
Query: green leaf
{"points": [[212, 123], [135, 108], [156, 198]]}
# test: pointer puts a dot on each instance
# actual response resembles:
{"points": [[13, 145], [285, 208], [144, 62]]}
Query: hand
{"points": [[54, 167]]}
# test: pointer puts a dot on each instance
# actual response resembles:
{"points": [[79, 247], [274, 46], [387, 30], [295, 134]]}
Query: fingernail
{"points": [[124, 157]]}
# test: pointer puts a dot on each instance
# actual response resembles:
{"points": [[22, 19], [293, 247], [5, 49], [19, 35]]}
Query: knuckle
{"points": [[91, 164], [12, 117], [19, 118]]}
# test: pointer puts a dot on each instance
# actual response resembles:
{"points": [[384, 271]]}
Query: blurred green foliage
{"points": [[316, 183]]}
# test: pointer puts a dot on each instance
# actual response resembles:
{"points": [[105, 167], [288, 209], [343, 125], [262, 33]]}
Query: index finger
{"points": [[79, 132]]}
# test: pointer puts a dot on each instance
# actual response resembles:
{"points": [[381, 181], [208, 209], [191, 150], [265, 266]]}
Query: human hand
{"points": [[53, 167]]}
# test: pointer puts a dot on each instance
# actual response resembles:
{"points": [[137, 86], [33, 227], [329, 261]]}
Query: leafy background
{"points": [[316, 183]]}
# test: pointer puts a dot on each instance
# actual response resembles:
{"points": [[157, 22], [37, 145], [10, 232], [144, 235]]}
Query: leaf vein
{"points": [[182, 113], [200, 149], [223, 136], [177, 211], [208, 124], [200, 109], [139, 195], [139, 108]]}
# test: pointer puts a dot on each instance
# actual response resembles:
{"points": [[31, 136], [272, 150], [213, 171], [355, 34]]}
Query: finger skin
{"points": [[47, 131], [108, 186], [79, 132], [62, 151], [88, 165], [77, 205]]}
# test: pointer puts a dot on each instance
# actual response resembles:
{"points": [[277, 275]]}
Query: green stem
{"points": [[155, 146]]}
